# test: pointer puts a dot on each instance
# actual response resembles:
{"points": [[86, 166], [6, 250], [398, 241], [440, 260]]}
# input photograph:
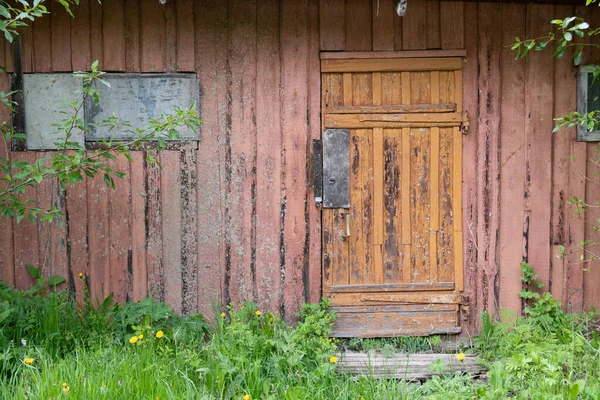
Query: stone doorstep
{"points": [[410, 367]]}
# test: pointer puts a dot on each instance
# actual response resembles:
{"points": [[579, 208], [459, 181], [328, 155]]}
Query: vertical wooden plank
{"points": [[26, 240], [406, 209], [393, 247], [170, 186], [294, 56], [470, 144], [414, 26], [153, 39], [61, 39], [171, 36], [185, 36], [211, 59], [452, 25], [347, 88], [538, 128], [391, 88], [488, 159], [434, 221], [512, 159], [139, 273], [457, 209], [333, 88], [447, 248], [154, 244], [76, 213], [119, 214], [314, 100], [397, 32], [361, 207], [376, 88], [189, 231], [565, 101], [96, 46], [359, 31], [132, 35], [52, 235], [420, 87], [383, 25], [42, 43], [435, 87], [378, 172], [434, 195], [268, 157], [113, 35], [420, 174], [7, 260], [241, 181], [80, 37], [98, 239], [457, 204], [378, 222], [406, 185], [433, 24], [340, 248], [332, 25]]}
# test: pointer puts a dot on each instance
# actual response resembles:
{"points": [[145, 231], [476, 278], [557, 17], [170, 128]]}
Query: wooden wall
{"points": [[235, 218], [231, 220]]}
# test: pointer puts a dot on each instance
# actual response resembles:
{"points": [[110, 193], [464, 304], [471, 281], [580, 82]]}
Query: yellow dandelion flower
{"points": [[64, 384], [271, 320], [141, 336], [80, 275], [223, 315], [159, 334], [257, 313], [247, 396], [460, 356], [66, 389], [333, 359], [133, 339], [28, 360]]}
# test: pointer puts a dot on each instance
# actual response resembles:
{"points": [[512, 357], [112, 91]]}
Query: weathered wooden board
{"points": [[512, 161], [409, 367]]}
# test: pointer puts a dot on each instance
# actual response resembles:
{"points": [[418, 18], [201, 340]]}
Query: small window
{"points": [[134, 98], [588, 99]]}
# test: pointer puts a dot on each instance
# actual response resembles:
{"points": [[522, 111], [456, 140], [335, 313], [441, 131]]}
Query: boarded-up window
{"points": [[588, 100], [134, 98]]}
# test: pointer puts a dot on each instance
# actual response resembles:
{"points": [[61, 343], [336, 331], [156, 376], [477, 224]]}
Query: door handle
{"points": [[346, 216]]}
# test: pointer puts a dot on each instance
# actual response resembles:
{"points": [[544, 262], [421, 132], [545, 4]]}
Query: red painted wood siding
{"points": [[235, 219]]}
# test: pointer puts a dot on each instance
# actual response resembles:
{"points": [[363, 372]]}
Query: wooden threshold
{"points": [[410, 367], [346, 55]]}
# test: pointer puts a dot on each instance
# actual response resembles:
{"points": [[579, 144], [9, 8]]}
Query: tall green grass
{"points": [[145, 351]]}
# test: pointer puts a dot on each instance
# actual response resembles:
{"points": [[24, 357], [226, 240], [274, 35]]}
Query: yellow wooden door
{"points": [[392, 260]]}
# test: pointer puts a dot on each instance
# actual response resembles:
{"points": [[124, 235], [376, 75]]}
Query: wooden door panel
{"points": [[399, 237]]}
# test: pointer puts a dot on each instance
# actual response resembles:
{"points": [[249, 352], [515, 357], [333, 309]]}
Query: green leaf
{"points": [[4, 12], [56, 280], [578, 58], [33, 271], [568, 36]]}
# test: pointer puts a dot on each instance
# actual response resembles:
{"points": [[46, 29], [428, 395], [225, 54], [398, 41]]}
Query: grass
{"points": [[144, 351]]}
